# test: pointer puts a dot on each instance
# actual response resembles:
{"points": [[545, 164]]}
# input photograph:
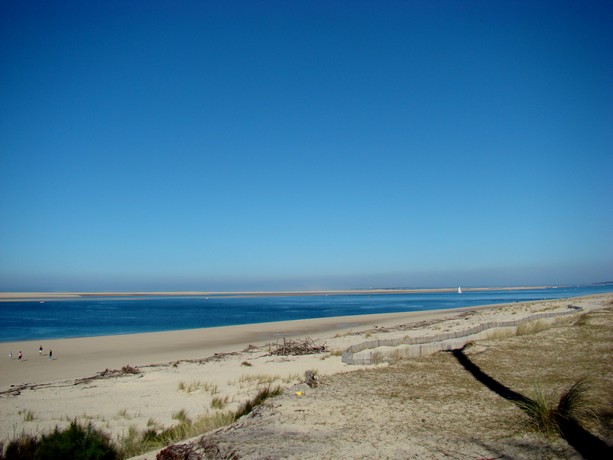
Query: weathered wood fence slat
{"points": [[424, 345]]}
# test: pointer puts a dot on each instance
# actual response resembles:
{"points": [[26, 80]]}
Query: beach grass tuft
{"points": [[181, 416], [574, 404], [540, 411], [262, 395], [27, 415], [137, 442], [258, 379], [152, 423], [292, 378], [218, 402], [533, 327], [197, 385], [501, 333]]}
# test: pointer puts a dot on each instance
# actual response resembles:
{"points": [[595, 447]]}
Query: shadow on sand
{"points": [[584, 442]]}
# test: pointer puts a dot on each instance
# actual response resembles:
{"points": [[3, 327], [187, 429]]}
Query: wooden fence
{"points": [[414, 347]]}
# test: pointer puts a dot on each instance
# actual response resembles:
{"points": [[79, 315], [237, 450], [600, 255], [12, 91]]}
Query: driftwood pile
{"points": [[109, 373], [291, 347]]}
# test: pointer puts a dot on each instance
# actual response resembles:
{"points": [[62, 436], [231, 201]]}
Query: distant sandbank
{"points": [[42, 296]]}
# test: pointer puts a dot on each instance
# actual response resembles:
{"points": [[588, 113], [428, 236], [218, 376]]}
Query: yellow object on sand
{"points": [[299, 393]]}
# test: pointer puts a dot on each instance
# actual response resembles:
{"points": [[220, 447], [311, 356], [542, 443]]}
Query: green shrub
{"points": [[76, 442]]}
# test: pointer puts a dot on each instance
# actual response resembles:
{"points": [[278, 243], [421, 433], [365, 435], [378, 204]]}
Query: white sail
{"points": [[459, 290]]}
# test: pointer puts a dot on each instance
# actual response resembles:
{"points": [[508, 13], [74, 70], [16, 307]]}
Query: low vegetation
{"points": [[79, 442], [84, 442], [28, 415], [532, 327], [197, 385], [138, 442], [262, 395], [545, 416], [218, 402]]}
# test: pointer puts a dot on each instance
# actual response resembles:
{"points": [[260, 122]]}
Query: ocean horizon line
{"points": [[34, 295]]}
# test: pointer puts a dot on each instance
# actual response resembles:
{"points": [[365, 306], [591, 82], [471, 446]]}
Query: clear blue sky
{"points": [[302, 145]]}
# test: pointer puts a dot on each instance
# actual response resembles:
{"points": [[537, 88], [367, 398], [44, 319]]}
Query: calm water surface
{"points": [[86, 317]]}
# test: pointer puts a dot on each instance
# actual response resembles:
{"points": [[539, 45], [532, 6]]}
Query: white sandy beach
{"points": [[81, 357], [185, 370]]}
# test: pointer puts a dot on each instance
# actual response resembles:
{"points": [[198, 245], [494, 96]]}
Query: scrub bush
{"points": [[77, 442]]}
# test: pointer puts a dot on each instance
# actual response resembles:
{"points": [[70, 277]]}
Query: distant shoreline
{"points": [[43, 296]]}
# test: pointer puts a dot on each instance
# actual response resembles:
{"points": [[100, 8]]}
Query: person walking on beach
{"points": [[50, 354], [40, 350], [20, 355], [10, 355]]}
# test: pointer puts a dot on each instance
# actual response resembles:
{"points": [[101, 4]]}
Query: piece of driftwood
{"points": [[289, 347], [109, 373]]}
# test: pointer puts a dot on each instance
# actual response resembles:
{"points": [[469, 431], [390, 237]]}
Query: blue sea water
{"points": [[95, 316]]}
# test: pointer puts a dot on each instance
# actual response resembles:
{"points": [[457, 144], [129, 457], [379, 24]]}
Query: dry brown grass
{"points": [[434, 408]]}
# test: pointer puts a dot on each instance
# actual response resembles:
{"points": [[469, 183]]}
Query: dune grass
{"points": [[136, 442], [532, 327], [181, 416], [77, 441], [28, 415], [218, 402], [262, 395], [197, 385], [258, 379], [574, 403]]}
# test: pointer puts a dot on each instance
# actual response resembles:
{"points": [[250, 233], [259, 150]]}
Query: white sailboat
{"points": [[459, 290]]}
